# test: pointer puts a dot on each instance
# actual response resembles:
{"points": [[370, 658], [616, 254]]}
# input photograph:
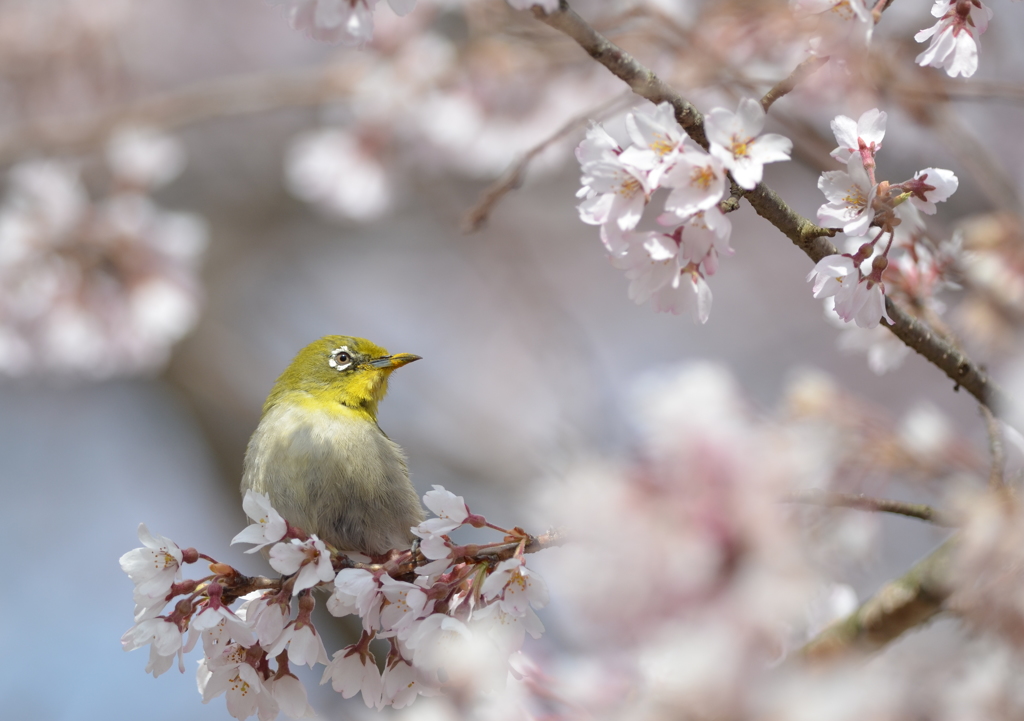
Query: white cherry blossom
{"points": [[613, 192], [697, 180], [954, 38], [289, 693], [154, 568], [515, 587], [869, 128], [350, 673], [230, 673], [269, 526], [165, 638], [850, 197], [305, 647], [216, 624], [736, 140], [451, 512], [830, 272], [862, 302], [406, 602], [266, 619], [309, 558], [938, 184], [657, 139]]}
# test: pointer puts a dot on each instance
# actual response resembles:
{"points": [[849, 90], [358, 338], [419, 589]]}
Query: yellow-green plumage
{"points": [[321, 457]]}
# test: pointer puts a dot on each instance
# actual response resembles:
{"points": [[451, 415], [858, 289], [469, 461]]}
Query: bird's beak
{"points": [[390, 362]]}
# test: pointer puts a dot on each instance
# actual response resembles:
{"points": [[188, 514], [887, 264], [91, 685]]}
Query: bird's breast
{"points": [[327, 468]]}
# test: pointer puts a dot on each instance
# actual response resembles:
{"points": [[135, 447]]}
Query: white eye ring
{"points": [[340, 358]]}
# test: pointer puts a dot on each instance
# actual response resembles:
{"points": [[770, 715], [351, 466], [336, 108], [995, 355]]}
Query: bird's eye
{"points": [[340, 358]]}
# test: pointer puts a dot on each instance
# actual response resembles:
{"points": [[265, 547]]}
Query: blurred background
{"points": [[194, 191]]}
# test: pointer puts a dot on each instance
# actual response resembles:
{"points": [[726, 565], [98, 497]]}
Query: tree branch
{"points": [[904, 603], [810, 238], [805, 69], [238, 585], [223, 97], [512, 178], [861, 502]]}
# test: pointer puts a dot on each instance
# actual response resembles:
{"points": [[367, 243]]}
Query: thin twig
{"points": [[804, 70], [223, 97], [861, 502], [809, 237], [996, 479], [512, 178]]}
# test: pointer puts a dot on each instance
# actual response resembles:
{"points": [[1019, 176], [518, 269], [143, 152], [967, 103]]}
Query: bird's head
{"points": [[338, 369]]}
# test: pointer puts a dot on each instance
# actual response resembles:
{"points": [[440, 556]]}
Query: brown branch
{"points": [[804, 70], [220, 98], [809, 237], [512, 178], [900, 605], [238, 585], [625, 67], [861, 502]]}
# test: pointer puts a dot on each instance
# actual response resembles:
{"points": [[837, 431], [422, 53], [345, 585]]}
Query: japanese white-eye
{"points": [[321, 457]]}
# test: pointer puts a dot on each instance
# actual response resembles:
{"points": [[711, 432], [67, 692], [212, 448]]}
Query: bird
{"points": [[320, 456]]}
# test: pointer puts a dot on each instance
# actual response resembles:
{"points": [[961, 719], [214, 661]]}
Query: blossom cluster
{"points": [[858, 202], [447, 612], [96, 287], [622, 168]]}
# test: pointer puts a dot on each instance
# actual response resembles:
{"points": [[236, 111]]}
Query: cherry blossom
{"points": [[401, 683], [830, 272], [333, 170], [613, 192], [349, 22], [862, 302], [290, 695], [850, 195], [357, 591], [405, 603], [155, 568], [309, 558], [954, 38], [231, 673], [266, 615], [165, 637], [869, 129], [515, 587], [269, 526], [697, 180], [657, 139], [351, 672], [931, 186], [304, 644], [451, 512], [144, 157], [736, 140]]}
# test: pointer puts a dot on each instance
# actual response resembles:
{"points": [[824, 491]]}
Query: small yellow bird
{"points": [[321, 457]]}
